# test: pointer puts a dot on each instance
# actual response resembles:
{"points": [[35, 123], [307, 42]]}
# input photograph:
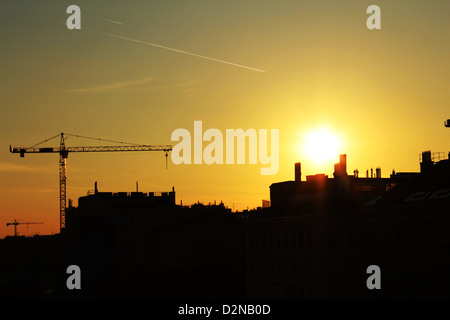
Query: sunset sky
{"points": [[297, 66]]}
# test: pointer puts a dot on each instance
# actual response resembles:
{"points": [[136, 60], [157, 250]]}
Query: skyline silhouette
{"points": [[382, 92], [342, 165], [314, 241], [296, 146]]}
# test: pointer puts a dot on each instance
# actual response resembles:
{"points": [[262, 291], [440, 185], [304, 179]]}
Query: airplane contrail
{"points": [[109, 20], [185, 52]]}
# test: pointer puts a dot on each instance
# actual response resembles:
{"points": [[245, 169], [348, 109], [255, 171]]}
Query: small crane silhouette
{"points": [[16, 223]]}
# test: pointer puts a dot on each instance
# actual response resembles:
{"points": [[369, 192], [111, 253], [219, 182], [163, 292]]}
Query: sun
{"points": [[321, 145]]}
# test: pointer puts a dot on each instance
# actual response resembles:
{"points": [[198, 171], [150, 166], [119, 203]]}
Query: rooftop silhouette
{"points": [[314, 241]]}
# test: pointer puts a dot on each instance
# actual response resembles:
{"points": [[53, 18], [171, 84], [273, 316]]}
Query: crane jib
{"points": [[93, 149]]}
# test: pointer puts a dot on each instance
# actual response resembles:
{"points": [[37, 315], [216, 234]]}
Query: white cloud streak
{"points": [[185, 52], [28, 190], [112, 21], [111, 86], [9, 167]]}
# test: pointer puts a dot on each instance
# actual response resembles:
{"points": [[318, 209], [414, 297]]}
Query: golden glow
{"points": [[321, 145], [324, 69]]}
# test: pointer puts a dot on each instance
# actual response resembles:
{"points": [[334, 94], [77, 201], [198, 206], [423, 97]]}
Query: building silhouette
{"points": [[320, 236], [30, 266], [144, 245], [314, 239]]}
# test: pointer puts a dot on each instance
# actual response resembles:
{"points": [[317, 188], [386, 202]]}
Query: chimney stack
{"points": [[340, 169], [298, 172], [343, 163], [378, 173], [427, 161]]}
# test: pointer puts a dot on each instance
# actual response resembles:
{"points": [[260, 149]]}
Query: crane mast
{"points": [[64, 153]]}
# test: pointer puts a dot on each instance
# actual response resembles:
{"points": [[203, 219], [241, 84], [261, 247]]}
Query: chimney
{"points": [[343, 164], [426, 156], [340, 169], [378, 172], [298, 172], [95, 185], [427, 161]]}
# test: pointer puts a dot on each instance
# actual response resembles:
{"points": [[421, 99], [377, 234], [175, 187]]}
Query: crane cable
{"points": [[43, 141], [85, 137], [128, 143], [78, 136]]}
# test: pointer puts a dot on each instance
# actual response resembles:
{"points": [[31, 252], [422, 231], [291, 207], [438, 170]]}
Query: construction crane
{"points": [[64, 153], [16, 223]]}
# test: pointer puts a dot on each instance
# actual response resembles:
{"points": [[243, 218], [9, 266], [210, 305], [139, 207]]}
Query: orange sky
{"points": [[383, 92]]}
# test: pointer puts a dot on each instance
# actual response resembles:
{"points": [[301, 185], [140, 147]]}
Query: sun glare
{"points": [[321, 145]]}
